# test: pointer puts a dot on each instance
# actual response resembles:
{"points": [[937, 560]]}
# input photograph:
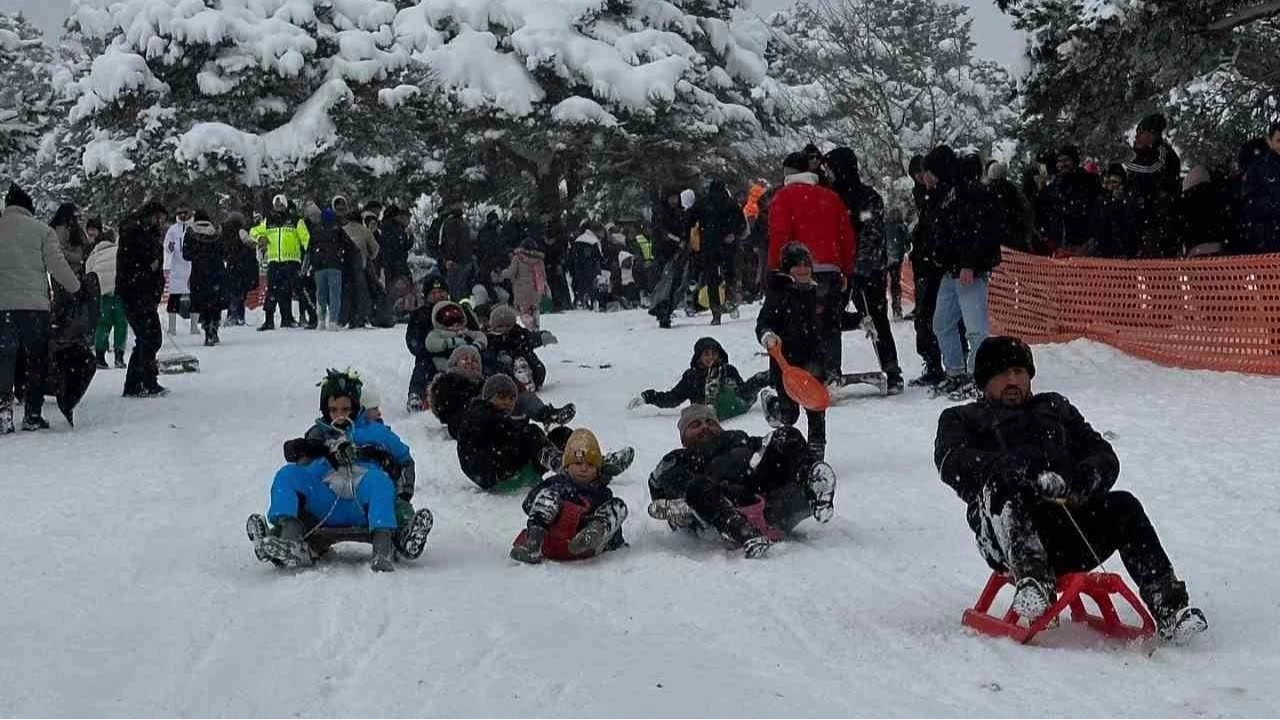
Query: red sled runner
{"points": [[1098, 587]]}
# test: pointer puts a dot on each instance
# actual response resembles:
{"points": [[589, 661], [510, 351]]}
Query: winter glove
{"points": [[340, 451], [769, 339], [1051, 485], [677, 513], [547, 338], [635, 402]]}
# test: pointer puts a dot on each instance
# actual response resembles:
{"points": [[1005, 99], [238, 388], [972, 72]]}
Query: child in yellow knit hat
{"points": [[573, 514]]}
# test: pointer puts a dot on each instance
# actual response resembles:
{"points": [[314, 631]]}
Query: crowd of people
{"points": [[1143, 206]]}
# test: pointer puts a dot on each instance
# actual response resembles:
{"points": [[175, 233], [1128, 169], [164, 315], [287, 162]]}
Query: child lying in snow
{"points": [[710, 380]]}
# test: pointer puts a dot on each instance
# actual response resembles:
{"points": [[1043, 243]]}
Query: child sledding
{"points": [[710, 380]]}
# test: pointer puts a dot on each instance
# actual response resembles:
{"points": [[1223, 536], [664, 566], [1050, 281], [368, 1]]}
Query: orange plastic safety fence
{"points": [[1204, 314]]}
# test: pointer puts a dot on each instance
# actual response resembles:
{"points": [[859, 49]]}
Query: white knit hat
{"points": [[369, 396]]}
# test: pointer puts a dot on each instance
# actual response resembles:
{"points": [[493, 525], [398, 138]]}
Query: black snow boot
{"points": [[31, 423], [931, 378], [561, 415], [120, 363], [528, 549], [1032, 597], [384, 552], [1169, 603], [772, 407], [412, 538], [617, 462]]}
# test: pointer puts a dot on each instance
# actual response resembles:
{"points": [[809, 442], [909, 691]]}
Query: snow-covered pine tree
{"points": [[27, 109], [232, 100], [1098, 66], [892, 78], [590, 102]]}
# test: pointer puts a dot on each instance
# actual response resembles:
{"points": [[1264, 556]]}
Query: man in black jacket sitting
{"points": [[1037, 479]]}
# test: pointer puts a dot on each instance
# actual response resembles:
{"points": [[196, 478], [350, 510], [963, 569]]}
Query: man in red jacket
{"points": [[805, 212]]}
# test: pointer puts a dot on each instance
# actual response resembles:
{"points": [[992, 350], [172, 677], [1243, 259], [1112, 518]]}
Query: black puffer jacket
{"points": [[502, 350], [329, 246], [491, 445], [202, 246], [698, 385], [988, 441], [790, 311], [449, 395], [962, 218], [726, 460]]}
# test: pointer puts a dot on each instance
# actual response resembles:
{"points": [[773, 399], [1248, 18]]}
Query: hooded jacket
{"points": [[491, 446], [102, 262], [528, 275], [441, 341], [699, 385], [140, 264], [790, 311]]}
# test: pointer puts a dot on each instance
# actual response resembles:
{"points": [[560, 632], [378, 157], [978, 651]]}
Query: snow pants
{"points": [[831, 304], [1022, 534], [424, 369], [28, 330], [869, 296], [781, 478], [301, 488]]}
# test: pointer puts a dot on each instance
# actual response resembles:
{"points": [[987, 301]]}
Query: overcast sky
{"points": [[992, 32]]}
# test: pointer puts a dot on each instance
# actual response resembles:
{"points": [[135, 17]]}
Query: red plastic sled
{"points": [[555, 544], [1099, 587]]}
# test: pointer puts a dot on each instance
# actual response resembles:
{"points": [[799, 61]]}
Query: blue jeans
{"points": [[956, 303], [374, 505], [329, 293]]}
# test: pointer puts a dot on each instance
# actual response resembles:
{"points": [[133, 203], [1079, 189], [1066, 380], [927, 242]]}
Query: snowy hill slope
{"points": [[130, 588]]}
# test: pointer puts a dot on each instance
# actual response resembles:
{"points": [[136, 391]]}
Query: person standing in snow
{"points": [[1260, 197], [805, 212], [139, 285], [587, 260], [364, 249], [1037, 480], [710, 380], [1066, 204], [966, 249], [283, 237], [457, 251], [870, 297], [29, 256], [897, 243], [717, 477], [789, 317], [179, 271], [928, 279], [1114, 234], [1015, 214], [242, 265], [579, 496], [328, 251], [111, 321], [528, 275], [202, 248], [721, 221], [71, 236]]}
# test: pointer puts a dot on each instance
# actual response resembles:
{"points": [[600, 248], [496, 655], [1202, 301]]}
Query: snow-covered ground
{"points": [[130, 589]]}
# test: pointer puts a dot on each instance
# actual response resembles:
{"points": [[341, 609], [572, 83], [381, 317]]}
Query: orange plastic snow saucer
{"points": [[1072, 589], [802, 387]]}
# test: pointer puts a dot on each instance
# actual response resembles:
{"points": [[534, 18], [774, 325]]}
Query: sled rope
{"points": [[1080, 532]]}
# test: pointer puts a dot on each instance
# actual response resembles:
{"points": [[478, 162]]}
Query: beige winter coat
{"points": [[29, 254], [362, 237], [528, 275]]}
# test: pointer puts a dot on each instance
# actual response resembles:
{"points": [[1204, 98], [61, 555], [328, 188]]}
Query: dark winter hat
{"points": [[498, 385], [501, 319], [339, 383], [695, 412], [434, 281], [997, 354], [916, 166], [17, 197], [1154, 123], [843, 162], [796, 163], [1070, 151], [794, 253], [94, 224], [942, 162], [328, 216]]}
